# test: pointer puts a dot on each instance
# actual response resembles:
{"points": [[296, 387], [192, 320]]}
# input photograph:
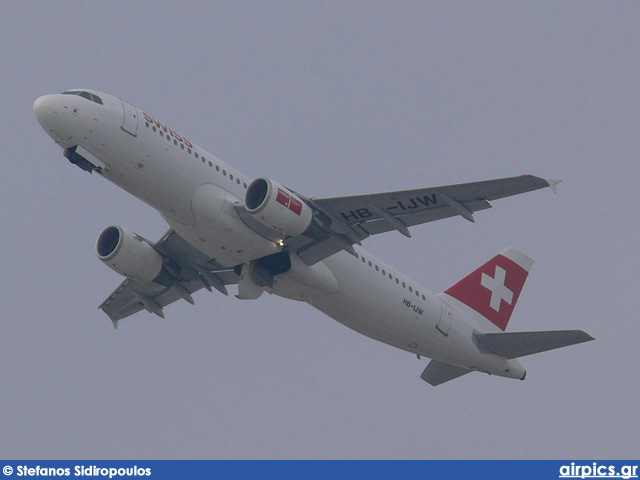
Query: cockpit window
{"points": [[87, 95]]}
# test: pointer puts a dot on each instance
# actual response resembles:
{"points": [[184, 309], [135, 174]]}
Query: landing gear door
{"points": [[445, 319], [130, 121]]}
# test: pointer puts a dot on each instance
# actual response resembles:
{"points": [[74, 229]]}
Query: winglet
{"points": [[553, 184], [113, 320]]}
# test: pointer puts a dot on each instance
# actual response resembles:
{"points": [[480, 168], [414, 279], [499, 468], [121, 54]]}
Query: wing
{"points": [[349, 220], [190, 268]]}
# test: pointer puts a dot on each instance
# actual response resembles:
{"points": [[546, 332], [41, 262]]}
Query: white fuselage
{"points": [[198, 195]]}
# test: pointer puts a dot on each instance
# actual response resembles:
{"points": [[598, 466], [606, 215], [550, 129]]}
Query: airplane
{"points": [[228, 229]]}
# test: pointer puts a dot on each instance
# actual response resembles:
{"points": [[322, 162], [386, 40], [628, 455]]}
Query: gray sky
{"points": [[330, 98]]}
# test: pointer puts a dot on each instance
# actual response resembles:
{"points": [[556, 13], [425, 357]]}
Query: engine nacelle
{"points": [[130, 255], [277, 208]]}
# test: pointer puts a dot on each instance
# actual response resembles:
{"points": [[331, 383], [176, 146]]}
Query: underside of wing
{"points": [[349, 220], [413, 207], [190, 269]]}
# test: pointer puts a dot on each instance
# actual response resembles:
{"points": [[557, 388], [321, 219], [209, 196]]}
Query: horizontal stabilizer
{"points": [[520, 344], [440, 372]]}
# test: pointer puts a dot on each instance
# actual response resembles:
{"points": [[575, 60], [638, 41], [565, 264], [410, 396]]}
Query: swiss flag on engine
{"points": [[493, 289], [283, 197], [295, 205], [289, 201]]}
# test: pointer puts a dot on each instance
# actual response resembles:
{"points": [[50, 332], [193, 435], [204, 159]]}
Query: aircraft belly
{"points": [[218, 231], [303, 281], [377, 307]]}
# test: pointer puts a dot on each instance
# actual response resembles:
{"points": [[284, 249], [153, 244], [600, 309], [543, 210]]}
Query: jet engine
{"points": [[130, 255], [277, 208]]}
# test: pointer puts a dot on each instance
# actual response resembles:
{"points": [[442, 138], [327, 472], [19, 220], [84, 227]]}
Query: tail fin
{"points": [[491, 291]]}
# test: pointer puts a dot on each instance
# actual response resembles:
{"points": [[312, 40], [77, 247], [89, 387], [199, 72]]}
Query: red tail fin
{"points": [[494, 288]]}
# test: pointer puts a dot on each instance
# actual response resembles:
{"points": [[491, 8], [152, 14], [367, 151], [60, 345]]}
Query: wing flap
{"points": [[375, 227]]}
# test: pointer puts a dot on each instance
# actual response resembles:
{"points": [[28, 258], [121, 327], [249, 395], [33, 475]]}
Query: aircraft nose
{"points": [[44, 108]]}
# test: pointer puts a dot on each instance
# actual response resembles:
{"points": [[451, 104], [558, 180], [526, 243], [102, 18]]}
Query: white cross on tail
{"points": [[497, 287]]}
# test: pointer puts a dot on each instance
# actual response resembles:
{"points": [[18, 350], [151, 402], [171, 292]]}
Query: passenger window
{"points": [[404, 285], [175, 142]]}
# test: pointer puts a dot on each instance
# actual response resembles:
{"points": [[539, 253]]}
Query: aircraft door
{"points": [[130, 121], [444, 324]]}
